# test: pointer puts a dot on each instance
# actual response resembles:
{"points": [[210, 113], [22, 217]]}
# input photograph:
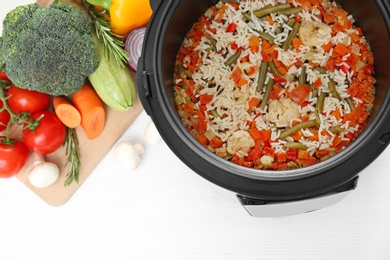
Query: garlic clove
{"points": [[151, 134]]}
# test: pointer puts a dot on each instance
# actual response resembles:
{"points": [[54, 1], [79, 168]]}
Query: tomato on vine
{"points": [[13, 156], [28, 101], [5, 117], [43, 132]]}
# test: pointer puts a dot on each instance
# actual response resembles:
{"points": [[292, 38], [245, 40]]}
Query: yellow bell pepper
{"points": [[126, 15]]}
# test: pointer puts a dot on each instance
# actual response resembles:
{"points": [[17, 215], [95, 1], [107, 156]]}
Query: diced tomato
{"points": [[236, 74], [231, 27], [368, 69], [205, 99], [255, 133], [317, 83], [281, 157], [330, 64], [269, 151], [255, 153], [344, 68], [265, 134], [292, 154], [300, 93]]}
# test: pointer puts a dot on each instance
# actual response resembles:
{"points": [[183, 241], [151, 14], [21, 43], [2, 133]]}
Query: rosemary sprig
{"points": [[113, 42], [72, 151]]}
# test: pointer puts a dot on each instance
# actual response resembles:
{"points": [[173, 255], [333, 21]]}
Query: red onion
{"points": [[133, 46]]}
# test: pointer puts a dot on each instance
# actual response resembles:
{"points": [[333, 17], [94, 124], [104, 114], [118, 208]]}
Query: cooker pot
{"points": [[262, 192]]}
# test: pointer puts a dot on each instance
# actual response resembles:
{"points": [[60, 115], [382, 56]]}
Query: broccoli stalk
{"points": [[50, 50]]}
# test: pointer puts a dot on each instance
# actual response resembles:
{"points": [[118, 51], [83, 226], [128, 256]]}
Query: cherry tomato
{"points": [[12, 157], [4, 117], [24, 100], [46, 135]]}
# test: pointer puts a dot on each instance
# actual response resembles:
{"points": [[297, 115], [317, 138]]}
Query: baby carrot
{"points": [[90, 106], [66, 112]]}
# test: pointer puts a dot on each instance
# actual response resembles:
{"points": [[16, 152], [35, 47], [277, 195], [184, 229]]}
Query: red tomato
{"points": [[48, 135], [300, 93], [4, 117], [12, 157], [24, 100]]}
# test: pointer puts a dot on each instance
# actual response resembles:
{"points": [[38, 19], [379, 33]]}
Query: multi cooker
{"points": [[262, 192]]}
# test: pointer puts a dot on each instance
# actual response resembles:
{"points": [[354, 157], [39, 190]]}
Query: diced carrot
{"points": [[306, 5], [296, 42], [66, 112], [302, 154], [354, 36], [254, 43], [326, 47], [241, 82], [297, 135], [236, 74], [251, 71], [340, 49], [203, 140], [265, 134], [255, 133], [317, 83], [254, 101], [281, 157], [336, 113], [189, 107], [321, 153], [269, 19], [90, 106], [216, 142], [300, 93]]}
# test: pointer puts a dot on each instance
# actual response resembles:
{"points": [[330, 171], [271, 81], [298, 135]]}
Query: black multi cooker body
{"points": [[165, 33]]}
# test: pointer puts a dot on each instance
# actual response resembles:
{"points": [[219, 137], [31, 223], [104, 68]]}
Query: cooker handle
{"points": [[259, 208]]}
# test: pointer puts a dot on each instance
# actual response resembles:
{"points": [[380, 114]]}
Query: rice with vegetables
{"points": [[274, 84]]}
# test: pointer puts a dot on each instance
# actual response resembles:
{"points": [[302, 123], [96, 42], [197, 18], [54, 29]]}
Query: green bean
{"points": [[227, 1], [295, 145], [265, 99], [320, 70], [213, 43], [247, 16], [232, 59], [297, 128], [266, 36], [273, 68], [336, 129], [291, 10], [332, 89], [320, 103], [332, 153], [262, 74], [291, 22], [270, 9], [302, 76], [291, 35], [350, 103]]}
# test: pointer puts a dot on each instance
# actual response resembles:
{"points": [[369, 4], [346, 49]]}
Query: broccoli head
{"points": [[50, 50]]}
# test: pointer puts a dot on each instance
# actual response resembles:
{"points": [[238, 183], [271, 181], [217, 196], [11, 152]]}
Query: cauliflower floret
{"points": [[282, 111], [314, 33], [240, 143]]}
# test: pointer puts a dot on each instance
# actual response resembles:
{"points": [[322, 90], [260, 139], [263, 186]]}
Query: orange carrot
{"points": [[92, 112], [66, 112]]}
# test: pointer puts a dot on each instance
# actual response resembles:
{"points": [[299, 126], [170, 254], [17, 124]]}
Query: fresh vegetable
{"points": [[125, 15], [43, 132], [127, 155], [4, 116], [151, 133], [91, 109], [50, 50], [24, 100], [66, 112], [13, 156], [43, 174], [133, 46], [113, 43], [113, 83], [71, 149]]}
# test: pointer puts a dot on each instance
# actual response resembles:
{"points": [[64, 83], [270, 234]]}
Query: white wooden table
{"points": [[163, 211]]}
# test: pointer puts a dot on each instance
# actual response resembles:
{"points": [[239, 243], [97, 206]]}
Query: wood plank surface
{"points": [[91, 151]]}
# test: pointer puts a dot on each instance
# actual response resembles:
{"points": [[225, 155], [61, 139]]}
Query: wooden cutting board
{"points": [[91, 151]]}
